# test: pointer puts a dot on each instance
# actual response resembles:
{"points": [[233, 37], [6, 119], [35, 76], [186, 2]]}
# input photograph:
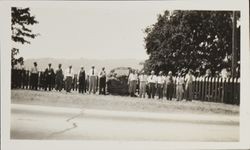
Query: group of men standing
{"points": [[59, 79], [150, 85], [85, 80], [161, 85]]}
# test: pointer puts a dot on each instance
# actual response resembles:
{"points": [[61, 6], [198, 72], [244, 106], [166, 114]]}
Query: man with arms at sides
{"points": [[160, 85], [59, 78], [169, 86], [102, 84], [179, 87], [92, 80], [152, 80], [49, 73], [81, 80], [189, 86], [69, 74], [17, 74], [143, 83], [34, 77], [132, 81]]}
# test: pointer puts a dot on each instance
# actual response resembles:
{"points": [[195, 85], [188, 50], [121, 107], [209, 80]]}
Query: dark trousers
{"points": [[68, 84], [170, 91], [59, 84], [34, 81], [102, 86], [81, 85], [151, 90], [160, 90], [49, 83]]}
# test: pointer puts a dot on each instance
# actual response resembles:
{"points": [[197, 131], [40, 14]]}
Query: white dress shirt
{"points": [[161, 79], [34, 70], [93, 72], [132, 77], [69, 72], [179, 81], [152, 79], [102, 74], [143, 78], [189, 78]]}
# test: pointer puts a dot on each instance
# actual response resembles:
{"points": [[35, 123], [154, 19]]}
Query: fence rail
{"points": [[210, 89]]}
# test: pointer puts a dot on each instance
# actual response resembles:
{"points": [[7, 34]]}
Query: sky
{"points": [[91, 30]]}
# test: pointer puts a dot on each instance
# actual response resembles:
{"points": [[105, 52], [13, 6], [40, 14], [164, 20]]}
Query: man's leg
{"points": [[100, 86], [94, 84], [153, 90], [140, 90]]}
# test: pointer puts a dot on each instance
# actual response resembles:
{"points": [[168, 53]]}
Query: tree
{"points": [[21, 20], [183, 40]]}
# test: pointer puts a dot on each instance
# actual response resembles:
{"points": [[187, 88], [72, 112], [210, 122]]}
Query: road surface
{"points": [[46, 122]]}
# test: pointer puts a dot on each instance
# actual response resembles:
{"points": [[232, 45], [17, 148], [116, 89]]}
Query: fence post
{"points": [[238, 91], [203, 88]]}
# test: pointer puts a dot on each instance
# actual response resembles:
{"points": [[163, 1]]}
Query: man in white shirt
{"points": [[160, 84], [169, 86], [93, 80], [179, 87], [152, 80], [143, 83], [34, 77], [69, 74], [132, 81], [17, 75], [189, 86]]}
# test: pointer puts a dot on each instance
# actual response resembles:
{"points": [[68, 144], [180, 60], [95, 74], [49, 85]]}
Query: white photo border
{"points": [[5, 45]]}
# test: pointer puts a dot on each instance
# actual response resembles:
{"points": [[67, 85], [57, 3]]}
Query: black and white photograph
{"points": [[125, 72]]}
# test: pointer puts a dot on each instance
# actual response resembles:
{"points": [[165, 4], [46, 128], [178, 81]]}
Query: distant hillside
{"points": [[86, 63]]}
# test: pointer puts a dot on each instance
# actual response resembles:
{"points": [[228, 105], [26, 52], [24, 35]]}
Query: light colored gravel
{"points": [[121, 103]]}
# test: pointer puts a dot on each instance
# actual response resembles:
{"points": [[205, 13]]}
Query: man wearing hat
{"points": [[169, 86], [102, 84], [160, 84], [179, 87], [92, 80], [59, 78], [49, 76], [81, 80], [189, 79], [152, 80], [143, 82], [69, 74], [34, 77]]}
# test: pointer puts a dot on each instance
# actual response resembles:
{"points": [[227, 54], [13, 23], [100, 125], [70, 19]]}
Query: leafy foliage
{"points": [[197, 40], [21, 19]]}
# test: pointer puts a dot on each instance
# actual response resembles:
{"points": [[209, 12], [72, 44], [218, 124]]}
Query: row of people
{"points": [[148, 84], [161, 85], [59, 79]]}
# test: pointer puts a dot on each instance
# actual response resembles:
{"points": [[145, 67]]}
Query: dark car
{"points": [[117, 83]]}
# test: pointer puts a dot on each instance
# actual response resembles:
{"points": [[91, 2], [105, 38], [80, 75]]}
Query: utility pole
{"points": [[234, 46]]}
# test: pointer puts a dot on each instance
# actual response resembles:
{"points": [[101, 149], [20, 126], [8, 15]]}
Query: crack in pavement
{"points": [[74, 125]]}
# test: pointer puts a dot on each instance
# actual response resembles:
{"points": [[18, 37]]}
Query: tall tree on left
{"points": [[21, 21]]}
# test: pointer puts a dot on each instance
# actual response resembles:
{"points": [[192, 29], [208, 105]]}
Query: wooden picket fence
{"points": [[216, 89]]}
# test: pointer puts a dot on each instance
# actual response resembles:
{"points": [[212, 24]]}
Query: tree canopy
{"points": [[197, 40], [21, 20]]}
